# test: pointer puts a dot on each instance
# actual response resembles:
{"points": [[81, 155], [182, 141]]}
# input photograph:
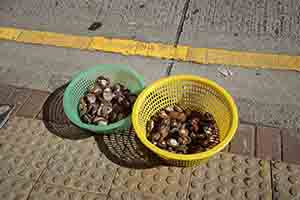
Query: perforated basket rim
{"points": [[185, 157], [67, 95]]}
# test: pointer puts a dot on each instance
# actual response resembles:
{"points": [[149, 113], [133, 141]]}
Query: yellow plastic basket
{"points": [[191, 92]]}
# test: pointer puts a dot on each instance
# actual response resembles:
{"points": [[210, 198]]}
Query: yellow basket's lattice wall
{"points": [[192, 93]]}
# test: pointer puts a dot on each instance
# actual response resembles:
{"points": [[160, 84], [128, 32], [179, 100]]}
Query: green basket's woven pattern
{"points": [[83, 80]]}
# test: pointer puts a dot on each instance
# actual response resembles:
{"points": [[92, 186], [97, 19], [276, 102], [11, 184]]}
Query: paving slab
{"points": [[244, 140], [144, 20], [81, 166], [156, 183], [54, 65], [259, 94], [26, 146], [33, 104], [53, 192], [5, 93], [18, 98], [286, 181], [290, 145], [229, 176], [268, 143], [15, 188], [265, 26]]}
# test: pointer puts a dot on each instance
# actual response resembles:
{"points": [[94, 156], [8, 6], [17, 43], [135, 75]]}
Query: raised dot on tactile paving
{"points": [[77, 184], [250, 161], [293, 191], [180, 195], [157, 177], [292, 179], [105, 177], [109, 167], [276, 188], [172, 169], [126, 196], [67, 181], [262, 173], [208, 187], [262, 185], [182, 181], [222, 166], [235, 192], [117, 181], [193, 196], [223, 179], [184, 170], [205, 197], [235, 179], [132, 172], [90, 186], [248, 181], [169, 190], [86, 196], [265, 196], [87, 163], [60, 194], [276, 177], [221, 189], [171, 179], [155, 188], [195, 183], [276, 164], [250, 195], [142, 187], [290, 168], [261, 163], [249, 171], [131, 184], [114, 194], [197, 172]]}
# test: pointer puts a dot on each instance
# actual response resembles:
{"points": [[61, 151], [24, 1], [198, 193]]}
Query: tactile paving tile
{"points": [[80, 166], [228, 176], [25, 148], [52, 192], [156, 183], [286, 181], [14, 188]]}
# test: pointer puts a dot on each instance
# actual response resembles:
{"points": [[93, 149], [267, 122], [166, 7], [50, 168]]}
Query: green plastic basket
{"points": [[83, 80]]}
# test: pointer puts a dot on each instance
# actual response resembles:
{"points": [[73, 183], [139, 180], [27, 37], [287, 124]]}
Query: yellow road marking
{"points": [[55, 39], [158, 50], [9, 33]]}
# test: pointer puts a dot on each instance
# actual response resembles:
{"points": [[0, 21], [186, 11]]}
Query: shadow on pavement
{"points": [[121, 147], [125, 149], [56, 120]]}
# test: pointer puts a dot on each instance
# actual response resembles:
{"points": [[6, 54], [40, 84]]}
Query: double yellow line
{"points": [[158, 50]]}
